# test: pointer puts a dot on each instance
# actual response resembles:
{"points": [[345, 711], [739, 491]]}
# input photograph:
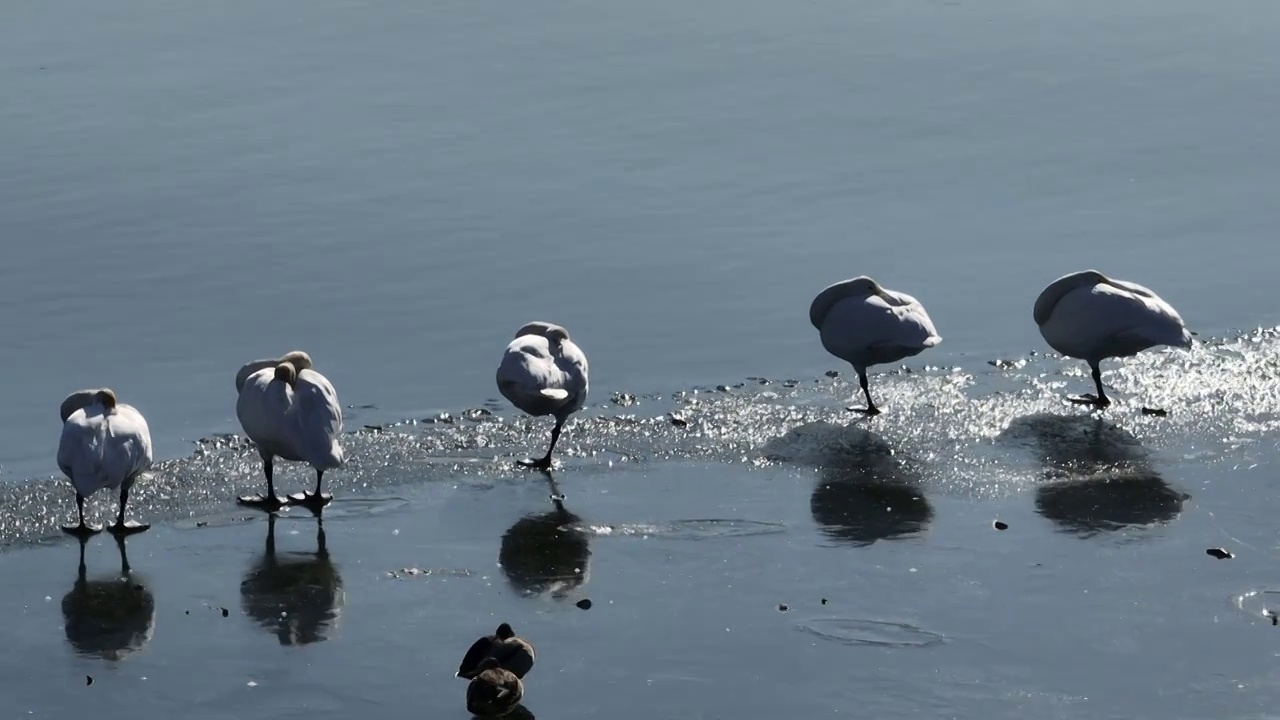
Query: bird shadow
{"points": [[1099, 477], [546, 553], [867, 490], [109, 618], [298, 597]]}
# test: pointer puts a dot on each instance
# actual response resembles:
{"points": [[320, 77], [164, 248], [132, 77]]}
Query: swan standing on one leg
{"points": [[104, 444], [865, 324], [544, 373], [1091, 317], [292, 412]]}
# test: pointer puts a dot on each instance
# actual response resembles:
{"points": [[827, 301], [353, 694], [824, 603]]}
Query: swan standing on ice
{"points": [[1091, 317], [104, 445], [866, 324], [292, 412], [544, 373]]}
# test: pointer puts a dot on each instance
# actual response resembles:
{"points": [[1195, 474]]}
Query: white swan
{"points": [[290, 411], [544, 373], [865, 324], [1089, 316], [104, 444]]}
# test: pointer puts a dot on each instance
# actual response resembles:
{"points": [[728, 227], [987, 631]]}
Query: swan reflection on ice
{"points": [[546, 553], [298, 599], [866, 491], [1100, 477], [110, 618]]}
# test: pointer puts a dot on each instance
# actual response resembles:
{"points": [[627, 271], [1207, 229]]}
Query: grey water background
{"points": [[396, 187]]}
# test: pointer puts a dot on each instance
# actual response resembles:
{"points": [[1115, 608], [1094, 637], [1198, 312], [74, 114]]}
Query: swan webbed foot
{"points": [[314, 502], [266, 503], [539, 464], [82, 530], [868, 411], [1089, 399], [127, 528]]}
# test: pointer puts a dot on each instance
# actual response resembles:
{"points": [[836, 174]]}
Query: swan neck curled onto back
{"points": [[543, 372], [297, 358], [292, 413], [104, 442], [1090, 316], [864, 323]]}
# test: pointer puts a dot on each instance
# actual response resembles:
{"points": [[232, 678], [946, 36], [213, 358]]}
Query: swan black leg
{"points": [[1100, 400], [124, 555], [121, 527], [269, 502], [82, 529], [544, 463], [871, 408], [314, 501]]}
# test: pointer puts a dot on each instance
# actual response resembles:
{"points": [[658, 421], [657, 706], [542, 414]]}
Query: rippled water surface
{"points": [[396, 187]]}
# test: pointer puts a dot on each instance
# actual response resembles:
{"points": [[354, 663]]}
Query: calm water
{"points": [[396, 187]]}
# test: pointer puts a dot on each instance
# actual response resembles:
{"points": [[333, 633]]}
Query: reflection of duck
{"points": [[1101, 477], [298, 599], [109, 618], [866, 492], [545, 553]]}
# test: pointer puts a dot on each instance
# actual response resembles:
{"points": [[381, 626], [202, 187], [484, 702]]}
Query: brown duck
{"points": [[513, 654], [493, 692]]}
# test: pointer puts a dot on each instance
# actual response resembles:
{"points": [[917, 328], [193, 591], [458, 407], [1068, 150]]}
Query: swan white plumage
{"points": [[104, 444], [1091, 317], [544, 373], [292, 412], [865, 324]]}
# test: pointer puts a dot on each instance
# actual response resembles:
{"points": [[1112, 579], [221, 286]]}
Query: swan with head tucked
{"points": [[544, 373], [104, 444], [1091, 317], [292, 412], [863, 323]]}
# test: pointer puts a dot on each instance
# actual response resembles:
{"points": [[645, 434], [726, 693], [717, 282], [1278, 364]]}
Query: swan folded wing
{"points": [[530, 378], [572, 363], [98, 451], [249, 369], [915, 326], [262, 407], [542, 329], [572, 360], [1141, 320], [80, 451], [129, 443], [1170, 324], [317, 420], [78, 400], [875, 330], [1112, 319]]}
